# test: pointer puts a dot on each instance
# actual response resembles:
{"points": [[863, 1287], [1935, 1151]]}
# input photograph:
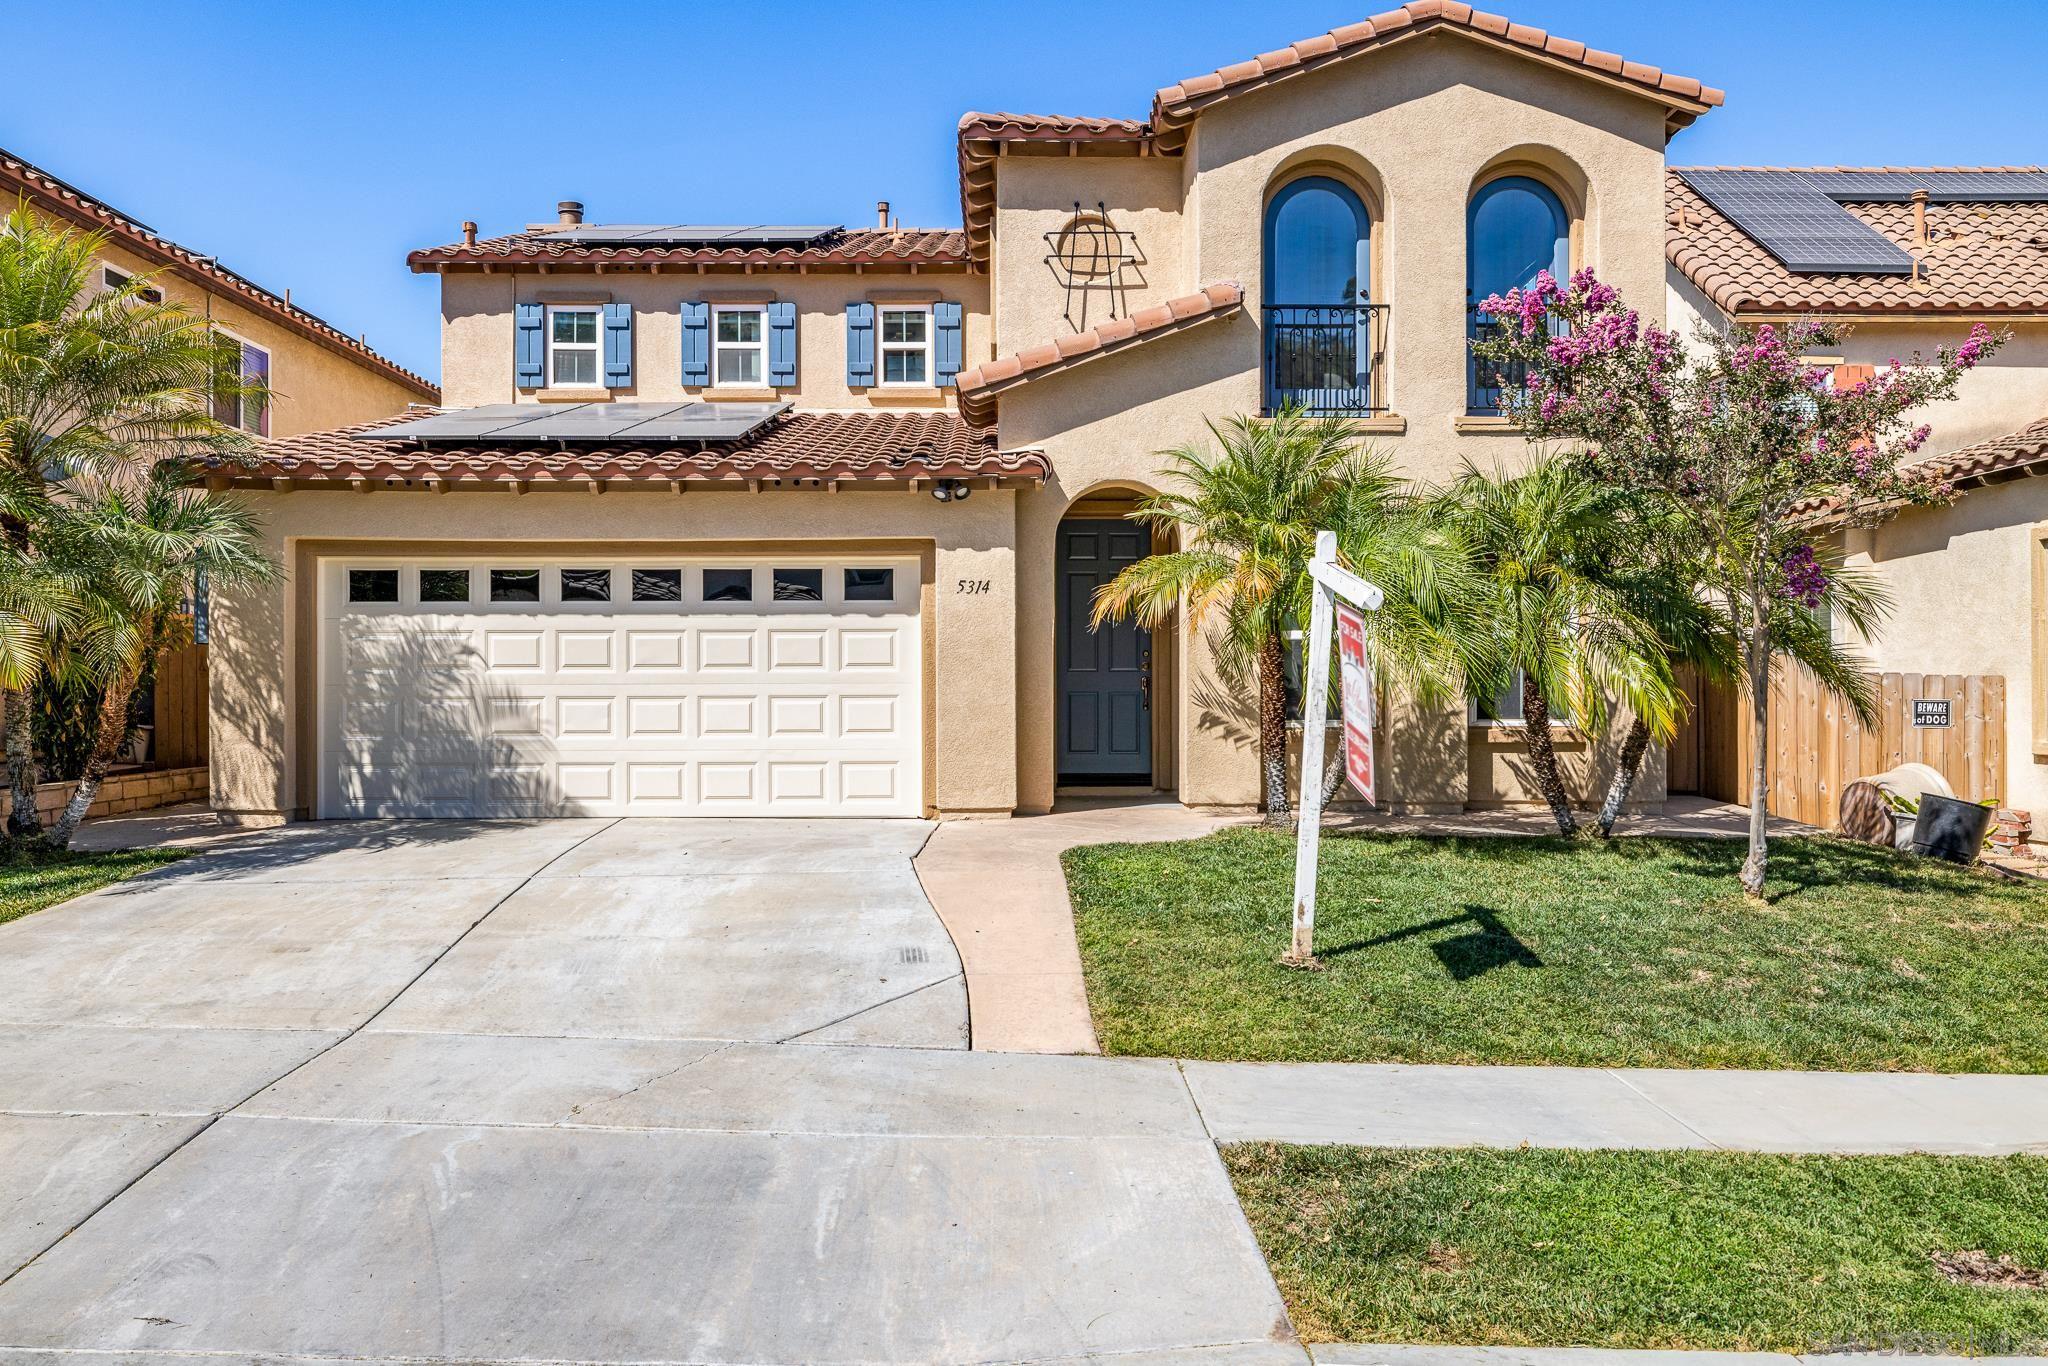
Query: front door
{"points": [[1105, 675]]}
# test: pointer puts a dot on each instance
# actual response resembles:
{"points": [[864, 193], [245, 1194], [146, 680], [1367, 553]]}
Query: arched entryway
{"points": [[1111, 710]]}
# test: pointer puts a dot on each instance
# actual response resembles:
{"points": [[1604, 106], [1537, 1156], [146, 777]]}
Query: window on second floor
{"points": [[739, 345], [246, 412], [1321, 333], [112, 279], [1516, 229], [906, 346], [573, 342]]}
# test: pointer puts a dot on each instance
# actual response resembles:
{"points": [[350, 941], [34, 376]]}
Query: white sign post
{"points": [[1331, 581]]}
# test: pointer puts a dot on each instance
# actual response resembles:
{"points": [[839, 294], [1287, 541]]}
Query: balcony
{"points": [[1487, 382], [1327, 359]]}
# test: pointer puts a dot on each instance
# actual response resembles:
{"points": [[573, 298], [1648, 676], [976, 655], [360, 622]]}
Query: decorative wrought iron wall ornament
{"points": [[1089, 255]]}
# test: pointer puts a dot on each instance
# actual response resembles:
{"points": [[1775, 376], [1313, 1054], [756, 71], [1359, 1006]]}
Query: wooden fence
{"points": [[181, 709], [1818, 746]]}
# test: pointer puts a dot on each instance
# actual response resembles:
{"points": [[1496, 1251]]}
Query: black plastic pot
{"points": [[1950, 829]]}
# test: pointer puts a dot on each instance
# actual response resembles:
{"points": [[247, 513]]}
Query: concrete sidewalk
{"points": [[1408, 1106]]}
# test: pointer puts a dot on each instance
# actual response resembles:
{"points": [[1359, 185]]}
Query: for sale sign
{"points": [[1356, 681]]}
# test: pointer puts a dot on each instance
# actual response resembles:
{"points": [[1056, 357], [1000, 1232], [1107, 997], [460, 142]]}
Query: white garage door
{"points": [[681, 687]]}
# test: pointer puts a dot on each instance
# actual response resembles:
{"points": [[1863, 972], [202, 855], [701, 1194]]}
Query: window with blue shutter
{"points": [[782, 345], [618, 346], [696, 342], [947, 326], [529, 347], [860, 345]]}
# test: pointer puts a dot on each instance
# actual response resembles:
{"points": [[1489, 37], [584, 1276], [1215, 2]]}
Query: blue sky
{"points": [[313, 145]]}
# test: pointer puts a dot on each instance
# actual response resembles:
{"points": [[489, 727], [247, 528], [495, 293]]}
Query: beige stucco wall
{"points": [[315, 388], [477, 328], [1418, 127], [1961, 579], [255, 654]]}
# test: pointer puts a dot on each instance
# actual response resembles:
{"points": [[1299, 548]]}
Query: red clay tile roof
{"points": [[854, 446], [19, 179], [979, 387], [859, 246], [1176, 105], [2018, 455], [1985, 258], [982, 136]]}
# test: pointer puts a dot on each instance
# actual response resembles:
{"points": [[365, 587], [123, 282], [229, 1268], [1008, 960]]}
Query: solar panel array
{"points": [[1797, 216], [1799, 223], [698, 234], [506, 423]]}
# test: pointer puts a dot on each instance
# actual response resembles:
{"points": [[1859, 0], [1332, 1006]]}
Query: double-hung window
{"points": [[573, 341], [907, 346], [247, 412], [739, 346]]}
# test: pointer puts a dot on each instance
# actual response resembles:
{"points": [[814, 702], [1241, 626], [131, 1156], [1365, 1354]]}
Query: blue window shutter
{"points": [[782, 345], [860, 345], [696, 342], [618, 346], [946, 321], [529, 351]]}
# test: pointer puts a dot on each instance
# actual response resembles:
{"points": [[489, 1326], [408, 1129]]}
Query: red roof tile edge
{"points": [[858, 246], [887, 447], [19, 177], [1175, 104], [978, 387], [2014, 455]]}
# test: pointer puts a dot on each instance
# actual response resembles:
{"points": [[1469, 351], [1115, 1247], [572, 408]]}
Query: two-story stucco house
{"points": [[806, 520], [320, 377]]}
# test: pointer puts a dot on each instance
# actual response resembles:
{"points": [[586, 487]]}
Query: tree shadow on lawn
{"points": [[1807, 864], [1489, 945]]}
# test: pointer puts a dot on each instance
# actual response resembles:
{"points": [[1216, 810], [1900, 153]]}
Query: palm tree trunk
{"points": [[1333, 771], [1759, 662], [1633, 747], [109, 733], [1273, 727], [1543, 756], [18, 705]]}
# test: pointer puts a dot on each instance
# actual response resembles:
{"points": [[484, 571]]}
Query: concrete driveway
{"points": [[579, 1090]]}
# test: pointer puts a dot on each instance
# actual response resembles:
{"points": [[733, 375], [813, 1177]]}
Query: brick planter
{"points": [[124, 792]]}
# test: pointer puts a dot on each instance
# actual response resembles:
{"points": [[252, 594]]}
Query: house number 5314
{"points": [[974, 587]]}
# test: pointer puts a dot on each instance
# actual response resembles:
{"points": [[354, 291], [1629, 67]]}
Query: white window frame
{"points": [[1514, 690], [241, 422], [759, 348], [595, 347], [883, 348]]}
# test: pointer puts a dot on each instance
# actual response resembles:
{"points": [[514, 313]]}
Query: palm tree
{"points": [[1548, 541], [93, 380], [142, 546], [1247, 512]]}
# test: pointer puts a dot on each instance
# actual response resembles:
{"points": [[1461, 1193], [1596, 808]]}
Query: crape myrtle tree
{"points": [[1747, 442]]}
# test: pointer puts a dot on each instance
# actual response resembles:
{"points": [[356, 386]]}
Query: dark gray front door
{"points": [[1105, 676]]}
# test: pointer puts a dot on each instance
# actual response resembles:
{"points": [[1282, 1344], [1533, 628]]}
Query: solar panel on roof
{"points": [[696, 234], [1799, 223], [1882, 187], [630, 421]]}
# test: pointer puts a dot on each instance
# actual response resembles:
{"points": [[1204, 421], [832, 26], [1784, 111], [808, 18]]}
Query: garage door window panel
{"points": [[728, 585], [373, 585], [799, 585], [444, 586], [657, 585], [870, 585], [586, 585], [515, 585]]}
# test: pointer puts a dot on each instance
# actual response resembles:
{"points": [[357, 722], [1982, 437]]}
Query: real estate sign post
{"points": [[1332, 582]]}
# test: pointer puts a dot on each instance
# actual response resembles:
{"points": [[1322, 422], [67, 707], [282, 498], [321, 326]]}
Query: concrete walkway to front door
{"points": [[631, 1091]]}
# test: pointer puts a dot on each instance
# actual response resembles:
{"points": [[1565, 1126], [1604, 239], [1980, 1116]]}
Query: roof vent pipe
{"points": [[468, 233], [881, 213], [1919, 218], [570, 212]]}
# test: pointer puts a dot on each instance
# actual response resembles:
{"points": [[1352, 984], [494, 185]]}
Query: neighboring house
{"points": [[320, 377], [1932, 250], [807, 520]]}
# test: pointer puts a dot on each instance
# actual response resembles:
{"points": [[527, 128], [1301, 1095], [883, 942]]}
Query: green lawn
{"points": [[1732, 1251], [1640, 952], [31, 881]]}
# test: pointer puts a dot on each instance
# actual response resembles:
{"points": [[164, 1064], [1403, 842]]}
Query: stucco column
{"points": [[249, 655]]}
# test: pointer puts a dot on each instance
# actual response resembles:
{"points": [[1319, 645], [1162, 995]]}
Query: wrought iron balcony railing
{"points": [[1326, 358], [1487, 381]]}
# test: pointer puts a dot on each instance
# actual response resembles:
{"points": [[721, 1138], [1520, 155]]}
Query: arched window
{"points": [[1318, 298], [1516, 229]]}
